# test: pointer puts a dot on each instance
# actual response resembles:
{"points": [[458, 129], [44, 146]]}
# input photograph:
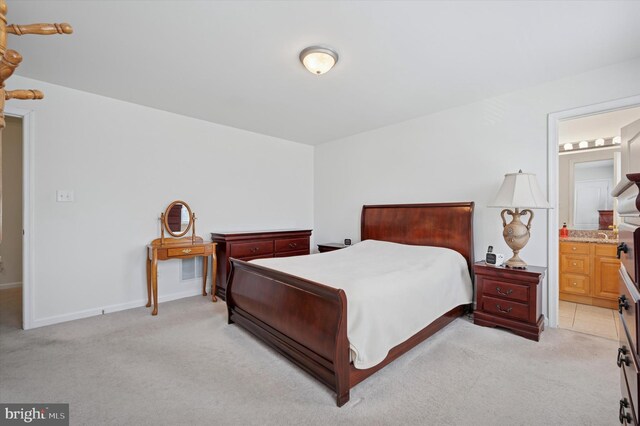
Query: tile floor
{"points": [[588, 319]]}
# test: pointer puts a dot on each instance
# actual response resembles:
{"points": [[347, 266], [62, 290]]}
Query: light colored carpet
{"points": [[187, 366]]}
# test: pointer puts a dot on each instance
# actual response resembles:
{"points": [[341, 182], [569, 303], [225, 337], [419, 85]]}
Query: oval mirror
{"points": [[178, 219]]}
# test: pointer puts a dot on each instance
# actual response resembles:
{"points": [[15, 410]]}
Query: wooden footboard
{"points": [[303, 320]]}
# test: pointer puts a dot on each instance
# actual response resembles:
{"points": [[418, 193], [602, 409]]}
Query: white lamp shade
{"points": [[520, 190]]}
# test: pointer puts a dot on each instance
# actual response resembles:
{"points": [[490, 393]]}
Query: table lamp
{"points": [[519, 190]]}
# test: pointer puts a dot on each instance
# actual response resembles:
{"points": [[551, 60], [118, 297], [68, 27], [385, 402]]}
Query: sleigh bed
{"points": [[306, 321]]}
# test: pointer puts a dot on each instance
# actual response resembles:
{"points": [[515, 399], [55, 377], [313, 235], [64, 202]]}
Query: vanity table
{"points": [[177, 220]]}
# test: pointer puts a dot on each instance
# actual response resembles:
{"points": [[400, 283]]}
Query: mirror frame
{"points": [[165, 222]]}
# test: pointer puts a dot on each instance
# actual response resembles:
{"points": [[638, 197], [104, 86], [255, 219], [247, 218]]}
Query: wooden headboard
{"points": [[448, 225]]}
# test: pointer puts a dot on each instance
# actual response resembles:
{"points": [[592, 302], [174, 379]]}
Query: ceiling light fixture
{"points": [[583, 144], [617, 139], [568, 146], [318, 60], [600, 142]]}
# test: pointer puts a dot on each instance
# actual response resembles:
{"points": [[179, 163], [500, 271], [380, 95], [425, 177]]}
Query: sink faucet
{"points": [[606, 237], [615, 230]]}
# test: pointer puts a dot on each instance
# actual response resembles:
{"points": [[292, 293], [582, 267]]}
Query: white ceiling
{"points": [[236, 62], [596, 126]]}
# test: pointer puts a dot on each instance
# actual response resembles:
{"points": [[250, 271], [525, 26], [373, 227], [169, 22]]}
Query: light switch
{"points": [[64, 196]]}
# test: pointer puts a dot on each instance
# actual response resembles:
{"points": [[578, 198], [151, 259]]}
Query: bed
{"points": [[306, 321]]}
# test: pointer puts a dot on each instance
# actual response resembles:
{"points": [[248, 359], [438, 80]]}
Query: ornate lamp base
{"points": [[515, 262], [516, 235]]}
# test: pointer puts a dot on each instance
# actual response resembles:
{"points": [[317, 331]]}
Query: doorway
{"points": [[584, 144], [11, 224]]}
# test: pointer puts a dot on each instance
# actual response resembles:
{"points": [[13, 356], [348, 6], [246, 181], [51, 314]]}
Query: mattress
{"points": [[393, 290]]}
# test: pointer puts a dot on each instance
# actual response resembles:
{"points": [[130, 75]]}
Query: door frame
{"points": [[28, 294], [553, 243]]}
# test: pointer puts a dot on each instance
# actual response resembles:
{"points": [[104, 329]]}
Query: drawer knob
{"points": [[622, 416], [504, 293], [574, 284], [186, 251], [293, 245], [505, 311], [254, 249], [623, 303], [573, 248], [574, 263], [622, 360]]}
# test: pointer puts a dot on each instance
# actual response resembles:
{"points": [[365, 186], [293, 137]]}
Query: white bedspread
{"points": [[393, 290]]}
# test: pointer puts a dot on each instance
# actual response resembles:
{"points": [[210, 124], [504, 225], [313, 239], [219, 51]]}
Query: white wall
{"points": [[460, 154], [126, 163], [11, 193]]}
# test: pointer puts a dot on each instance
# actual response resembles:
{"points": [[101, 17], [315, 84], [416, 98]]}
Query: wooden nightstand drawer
{"points": [[292, 244], [575, 248], [251, 249], [575, 284], [575, 263], [505, 308], [505, 290], [185, 251]]}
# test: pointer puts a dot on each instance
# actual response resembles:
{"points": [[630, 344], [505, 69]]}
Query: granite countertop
{"points": [[590, 240], [591, 236]]}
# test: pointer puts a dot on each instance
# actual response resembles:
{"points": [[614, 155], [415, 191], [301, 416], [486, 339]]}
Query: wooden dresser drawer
{"points": [[190, 251], [575, 248], [628, 413], [505, 308], [505, 290], [627, 361], [292, 253], [627, 307], [251, 249], [575, 284], [292, 244]]}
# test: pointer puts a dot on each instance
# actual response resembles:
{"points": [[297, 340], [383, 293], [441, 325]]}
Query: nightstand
{"points": [[510, 298], [323, 248]]}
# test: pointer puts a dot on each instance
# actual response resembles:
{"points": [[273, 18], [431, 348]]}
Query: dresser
{"points": [[256, 245], [589, 273], [627, 191], [510, 298], [628, 358]]}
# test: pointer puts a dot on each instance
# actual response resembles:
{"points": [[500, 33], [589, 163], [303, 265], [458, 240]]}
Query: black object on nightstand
{"points": [[323, 248], [510, 298]]}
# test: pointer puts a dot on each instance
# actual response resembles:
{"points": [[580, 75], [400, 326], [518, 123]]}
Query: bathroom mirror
{"points": [[177, 219], [592, 200], [586, 181]]}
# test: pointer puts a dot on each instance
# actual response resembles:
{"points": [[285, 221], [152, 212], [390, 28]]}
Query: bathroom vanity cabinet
{"points": [[589, 273]]}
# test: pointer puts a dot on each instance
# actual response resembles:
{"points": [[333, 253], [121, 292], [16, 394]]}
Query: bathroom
{"points": [[589, 168]]}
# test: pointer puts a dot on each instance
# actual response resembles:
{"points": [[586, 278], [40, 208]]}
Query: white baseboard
{"points": [[56, 319], [11, 285]]}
